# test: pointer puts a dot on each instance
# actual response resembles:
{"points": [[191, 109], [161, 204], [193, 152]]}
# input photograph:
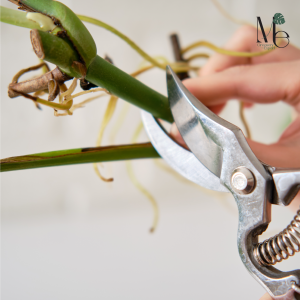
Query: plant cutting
{"points": [[62, 39], [63, 105], [59, 36]]}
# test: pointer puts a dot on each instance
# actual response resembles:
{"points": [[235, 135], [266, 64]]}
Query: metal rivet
{"points": [[242, 181]]}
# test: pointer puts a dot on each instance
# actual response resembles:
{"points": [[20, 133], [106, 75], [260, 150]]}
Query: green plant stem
{"points": [[126, 87], [103, 74], [75, 30], [56, 51], [17, 18], [78, 156]]}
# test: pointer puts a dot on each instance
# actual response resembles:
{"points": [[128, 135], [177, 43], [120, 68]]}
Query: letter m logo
{"points": [[259, 23]]}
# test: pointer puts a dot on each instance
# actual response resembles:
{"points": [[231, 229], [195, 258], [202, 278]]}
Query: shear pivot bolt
{"points": [[242, 181]]}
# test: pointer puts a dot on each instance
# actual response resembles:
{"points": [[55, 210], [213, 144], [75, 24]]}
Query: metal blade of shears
{"points": [[180, 159], [217, 143], [190, 124]]}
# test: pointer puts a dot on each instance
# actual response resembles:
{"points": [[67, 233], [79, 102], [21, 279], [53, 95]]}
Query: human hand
{"points": [[263, 79]]}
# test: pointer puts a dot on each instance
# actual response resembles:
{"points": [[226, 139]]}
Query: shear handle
{"points": [[287, 185]]}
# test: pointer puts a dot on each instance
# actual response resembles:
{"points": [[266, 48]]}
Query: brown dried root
{"points": [[40, 83], [49, 82], [53, 83]]}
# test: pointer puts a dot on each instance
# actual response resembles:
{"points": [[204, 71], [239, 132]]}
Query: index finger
{"points": [[245, 40], [265, 83]]}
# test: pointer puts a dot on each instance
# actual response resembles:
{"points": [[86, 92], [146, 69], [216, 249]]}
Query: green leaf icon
{"points": [[278, 19]]}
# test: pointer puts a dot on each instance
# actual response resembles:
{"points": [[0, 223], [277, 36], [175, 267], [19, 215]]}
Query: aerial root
{"points": [[138, 184], [52, 83], [111, 107]]}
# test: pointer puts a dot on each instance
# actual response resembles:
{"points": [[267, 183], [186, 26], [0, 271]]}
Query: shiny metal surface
{"points": [[242, 181], [222, 148], [296, 287], [287, 185], [281, 246], [180, 159], [287, 242], [254, 208], [189, 125]]}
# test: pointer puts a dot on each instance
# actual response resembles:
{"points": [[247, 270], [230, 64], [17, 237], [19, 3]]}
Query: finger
{"points": [[244, 40], [217, 108], [247, 104], [265, 83], [292, 133], [266, 297], [176, 136], [277, 155]]}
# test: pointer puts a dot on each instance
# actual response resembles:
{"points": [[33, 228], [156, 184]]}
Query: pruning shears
{"points": [[220, 159]]}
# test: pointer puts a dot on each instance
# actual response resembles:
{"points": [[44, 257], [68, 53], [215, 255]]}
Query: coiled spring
{"points": [[280, 246]]}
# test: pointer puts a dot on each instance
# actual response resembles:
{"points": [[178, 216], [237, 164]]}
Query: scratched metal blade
{"points": [[180, 159], [191, 124]]}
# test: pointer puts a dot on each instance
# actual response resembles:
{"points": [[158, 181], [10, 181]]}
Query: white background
{"points": [[66, 234]]}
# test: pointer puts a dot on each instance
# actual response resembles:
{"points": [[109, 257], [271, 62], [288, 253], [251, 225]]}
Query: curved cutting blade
{"points": [[180, 159], [213, 140], [188, 122]]}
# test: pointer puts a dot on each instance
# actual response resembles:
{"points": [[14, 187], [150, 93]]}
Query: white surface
{"points": [[67, 235]]}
